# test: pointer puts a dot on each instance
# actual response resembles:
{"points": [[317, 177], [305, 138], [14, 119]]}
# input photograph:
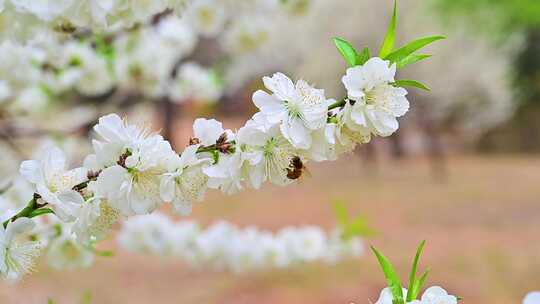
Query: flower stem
{"points": [[28, 210], [338, 104]]}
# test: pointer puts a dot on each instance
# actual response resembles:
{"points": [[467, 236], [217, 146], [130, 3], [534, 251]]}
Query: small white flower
{"points": [[376, 103], [94, 221], [92, 74], [32, 99], [267, 154], [142, 68], [150, 234], [195, 82], [54, 183], [133, 187], [347, 133], [207, 17], [185, 182], [65, 252], [298, 109], [115, 136], [532, 298], [246, 35], [386, 296], [226, 175], [177, 33], [17, 252], [307, 244], [437, 295]]}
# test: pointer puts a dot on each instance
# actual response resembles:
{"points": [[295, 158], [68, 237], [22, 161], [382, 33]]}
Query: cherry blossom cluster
{"points": [[44, 69], [154, 60], [69, 15], [134, 171], [223, 246]]}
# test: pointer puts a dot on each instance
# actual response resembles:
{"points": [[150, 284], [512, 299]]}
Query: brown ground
{"points": [[482, 227]]}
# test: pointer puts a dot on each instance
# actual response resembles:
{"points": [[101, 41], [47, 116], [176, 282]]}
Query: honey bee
{"points": [[296, 169]]}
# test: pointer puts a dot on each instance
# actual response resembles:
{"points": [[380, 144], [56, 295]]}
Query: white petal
{"points": [[281, 85], [109, 181], [167, 188], [207, 130], [298, 134], [532, 298], [257, 175], [31, 171], [267, 103], [68, 206], [385, 124], [20, 225], [54, 162]]}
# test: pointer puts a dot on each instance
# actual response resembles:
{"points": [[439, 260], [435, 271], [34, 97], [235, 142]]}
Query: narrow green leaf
{"points": [[413, 58], [342, 216], [417, 287], [411, 83], [390, 274], [39, 212], [346, 50], [50, 301], [363, 57], [390, 38], [411, 47], [412, 276]]}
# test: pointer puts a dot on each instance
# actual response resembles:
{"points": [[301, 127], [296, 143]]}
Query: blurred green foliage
{"points": [[497, 20], [498, 17]]}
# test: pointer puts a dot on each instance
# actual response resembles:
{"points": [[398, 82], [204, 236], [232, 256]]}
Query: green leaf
{"points": [[86, 297], [39, 212], [50, 301], [341, 213], [417, 287], [358, 227], [363, 57], [105, 253], [390, 38], [346, 50], [390, 274], [413, 58], [411, 83], [412, 276], [411, 47]]}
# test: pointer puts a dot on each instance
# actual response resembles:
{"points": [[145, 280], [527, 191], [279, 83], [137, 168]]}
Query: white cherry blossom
{"points": [[54, 183], [299, 109], [185, 181], [266, 153], [17, 252], [437, 295], [375, 102]]}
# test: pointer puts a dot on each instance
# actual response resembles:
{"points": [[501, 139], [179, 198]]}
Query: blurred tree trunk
{"points": [[397, 148], [169, 112], [433, 145]]}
